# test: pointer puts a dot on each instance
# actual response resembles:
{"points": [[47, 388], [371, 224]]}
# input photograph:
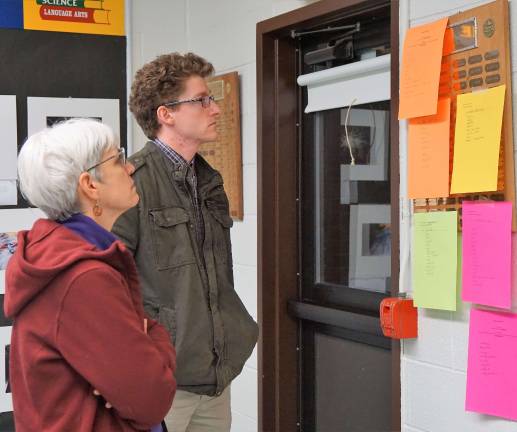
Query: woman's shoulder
{"points": [[92, 281], [92, 268]]}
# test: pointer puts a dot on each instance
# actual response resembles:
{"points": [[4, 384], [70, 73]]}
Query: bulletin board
{"points": [[43, 64], [482, 62], [225, 154], [61, 65], [471, 76]]}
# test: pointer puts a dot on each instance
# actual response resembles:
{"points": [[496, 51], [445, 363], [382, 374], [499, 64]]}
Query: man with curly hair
{"points": [[180, 236]]}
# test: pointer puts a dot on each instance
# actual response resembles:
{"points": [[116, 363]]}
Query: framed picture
{"points": [[9, 142], [8, 243], [45, 111], [368, 135], [6, 401], [9, 148], [349, 193], [370, 247], [8, 192]]}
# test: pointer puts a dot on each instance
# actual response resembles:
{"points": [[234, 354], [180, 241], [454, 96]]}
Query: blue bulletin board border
{"points": [[11, 14]]}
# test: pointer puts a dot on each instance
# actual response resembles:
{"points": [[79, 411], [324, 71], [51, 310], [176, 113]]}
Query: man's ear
{"points": [[87, 186], [164, 116]]}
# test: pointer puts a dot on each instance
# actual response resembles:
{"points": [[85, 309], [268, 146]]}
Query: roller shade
{"points": [[365, 80]]}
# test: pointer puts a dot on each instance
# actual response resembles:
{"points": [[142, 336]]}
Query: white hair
{"points": [[51, 161]]}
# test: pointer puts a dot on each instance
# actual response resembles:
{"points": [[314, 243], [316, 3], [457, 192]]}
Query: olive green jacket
{"points": [[187, 290]]}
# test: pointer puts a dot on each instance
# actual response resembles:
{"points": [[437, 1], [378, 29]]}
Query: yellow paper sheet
{"points": [[477, 139], [428, 154], [420, 69]]}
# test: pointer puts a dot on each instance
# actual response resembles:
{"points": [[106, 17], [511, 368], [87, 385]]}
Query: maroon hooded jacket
{"points": [[79, 326]]}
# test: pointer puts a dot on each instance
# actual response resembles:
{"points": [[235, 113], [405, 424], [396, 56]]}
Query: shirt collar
{"points": [[172, 155]]}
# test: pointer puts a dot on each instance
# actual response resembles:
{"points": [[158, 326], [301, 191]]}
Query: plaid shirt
{"points": [[178, 160]]}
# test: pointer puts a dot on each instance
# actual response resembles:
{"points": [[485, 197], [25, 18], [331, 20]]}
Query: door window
{"points": [[352, 227]]}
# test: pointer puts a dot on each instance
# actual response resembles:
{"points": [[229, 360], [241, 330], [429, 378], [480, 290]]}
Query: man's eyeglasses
{"points": [[121, 155], [203, 100]]}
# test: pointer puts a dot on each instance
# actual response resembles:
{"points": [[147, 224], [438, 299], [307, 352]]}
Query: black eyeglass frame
{"points": [[204, 100], [121, 154]]}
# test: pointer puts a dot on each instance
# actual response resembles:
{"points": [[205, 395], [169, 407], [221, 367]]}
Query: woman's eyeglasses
{"points": [[121, 155]]}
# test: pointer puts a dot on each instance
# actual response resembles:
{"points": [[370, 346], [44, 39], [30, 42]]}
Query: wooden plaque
{"points": [[225, 154], [484, 65]]}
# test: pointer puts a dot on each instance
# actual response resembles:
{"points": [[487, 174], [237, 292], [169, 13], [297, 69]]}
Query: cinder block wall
{"points": [[433, 367]]}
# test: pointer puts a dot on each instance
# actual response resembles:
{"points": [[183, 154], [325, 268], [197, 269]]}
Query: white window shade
{"points": [[365, 81]]}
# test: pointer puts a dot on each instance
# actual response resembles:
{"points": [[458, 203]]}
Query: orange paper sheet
{"points": [[420, 69], [428, 154]]}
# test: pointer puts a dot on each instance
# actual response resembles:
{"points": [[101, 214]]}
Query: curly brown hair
{"points": [[162, 80]]}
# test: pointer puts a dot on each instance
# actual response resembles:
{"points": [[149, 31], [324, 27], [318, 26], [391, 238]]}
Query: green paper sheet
{"points": [[435, 237]]}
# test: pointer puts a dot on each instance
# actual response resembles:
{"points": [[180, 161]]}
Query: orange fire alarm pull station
{"points": [[399, 318]]}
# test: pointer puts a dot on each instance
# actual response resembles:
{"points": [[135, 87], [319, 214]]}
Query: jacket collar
{"points": [[207, 177]]}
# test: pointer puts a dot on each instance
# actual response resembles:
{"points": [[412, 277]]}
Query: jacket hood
{"points": [[43, 253]]}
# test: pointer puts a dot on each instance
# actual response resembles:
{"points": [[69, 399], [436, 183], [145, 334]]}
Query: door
{"points": [[326, 228], [345, 268]]}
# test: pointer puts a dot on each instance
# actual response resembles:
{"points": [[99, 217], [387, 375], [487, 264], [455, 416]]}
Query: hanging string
{"points": [[352, 158]]}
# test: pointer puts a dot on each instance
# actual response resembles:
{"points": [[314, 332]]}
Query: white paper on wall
{"points": [[6, 400], [9, 138], [8, 192], [45, 111]]}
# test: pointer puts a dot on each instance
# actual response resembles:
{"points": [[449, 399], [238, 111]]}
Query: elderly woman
{"points": [[83, 355]]}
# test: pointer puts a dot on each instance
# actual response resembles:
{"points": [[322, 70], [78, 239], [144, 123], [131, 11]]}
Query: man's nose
{"points": [[215, 108]]}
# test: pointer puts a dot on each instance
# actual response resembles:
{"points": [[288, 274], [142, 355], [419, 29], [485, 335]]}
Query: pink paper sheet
{"points": [[491, 377], [486, 265]]}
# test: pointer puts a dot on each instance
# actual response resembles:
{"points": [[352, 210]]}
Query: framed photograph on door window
{"points": [[368, 135], [370, 247]]}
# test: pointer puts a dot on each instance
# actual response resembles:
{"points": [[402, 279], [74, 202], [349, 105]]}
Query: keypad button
{"points": [[491, 67], [490, 79], [476, 82], [478, 70], [490, 55], [475, 59]]}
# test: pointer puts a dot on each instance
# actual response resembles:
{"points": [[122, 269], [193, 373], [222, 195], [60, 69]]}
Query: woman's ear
{"points": [[87, 187]]}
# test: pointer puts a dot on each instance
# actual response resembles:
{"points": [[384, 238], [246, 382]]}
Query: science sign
{"points": [[75, 16]]}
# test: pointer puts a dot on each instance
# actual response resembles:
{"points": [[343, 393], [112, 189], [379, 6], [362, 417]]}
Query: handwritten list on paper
{"points": [[491, 377], [428, 154], [435, 260], [420, 69], [477, 139], [487, 247]]}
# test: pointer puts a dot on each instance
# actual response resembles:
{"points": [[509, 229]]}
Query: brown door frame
{"points": [[277, 159]]}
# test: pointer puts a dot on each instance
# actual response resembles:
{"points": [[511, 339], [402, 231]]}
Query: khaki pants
{"points": [[191, 412]]}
